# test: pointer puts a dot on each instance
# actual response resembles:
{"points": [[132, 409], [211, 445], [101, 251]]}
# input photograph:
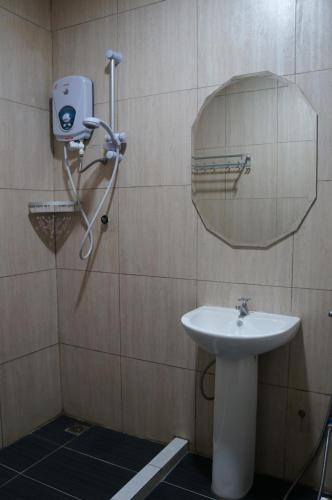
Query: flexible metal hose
{"points": [[201, 382], [313, 455]]}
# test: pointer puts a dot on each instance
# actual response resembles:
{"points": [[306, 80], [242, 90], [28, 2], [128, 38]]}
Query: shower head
{"points": [[92, 123]]}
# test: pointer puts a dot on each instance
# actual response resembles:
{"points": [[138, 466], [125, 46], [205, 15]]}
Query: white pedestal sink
{"points": [[236, 342]]}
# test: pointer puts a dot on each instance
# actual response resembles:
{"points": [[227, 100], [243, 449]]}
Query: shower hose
{"points": [[88, 235]]}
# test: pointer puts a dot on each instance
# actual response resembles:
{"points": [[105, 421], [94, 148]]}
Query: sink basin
{"points": [[220, 331], [236, 343]]}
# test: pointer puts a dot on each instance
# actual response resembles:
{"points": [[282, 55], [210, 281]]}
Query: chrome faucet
{"points": [[243, 307]]}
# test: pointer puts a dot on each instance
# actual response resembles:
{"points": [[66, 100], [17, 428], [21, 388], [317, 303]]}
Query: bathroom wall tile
{"points": [[271, 428], [291, 212], [210, 130], [316, 86], [303, 433], [35, 327], [25, 151], [25, 61], [251, 117], [241, 37], [297, 120], [261, 183], [96, 37], [313, 35], [89, 310], [218, 261], [124, 5], [297, 170], [204, 416], [162, 155], [27, 242], [77, 11], [158, 232], [158, 400], [91, 386], [37, 11], [151, 309], [70, 231], [313, 244], [30, 393], [159, 43], [273, 366], [311, 349]]}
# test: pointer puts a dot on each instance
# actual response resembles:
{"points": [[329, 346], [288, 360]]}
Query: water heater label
{"points": [[67, 116]]}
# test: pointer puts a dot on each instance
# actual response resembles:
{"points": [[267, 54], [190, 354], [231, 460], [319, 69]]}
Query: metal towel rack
{"points": [[210, 164]]}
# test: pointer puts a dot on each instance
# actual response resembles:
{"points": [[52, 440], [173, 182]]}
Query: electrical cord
{"points": [[201, 382]]}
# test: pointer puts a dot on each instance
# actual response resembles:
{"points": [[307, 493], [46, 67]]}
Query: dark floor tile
{"points": [[23, 488], [56, 431], [169, 492], [193, 473], [116, 447], [5, 475], [79, 475], [25, 452]]}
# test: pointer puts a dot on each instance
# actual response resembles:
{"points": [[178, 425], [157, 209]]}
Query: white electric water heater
{"points": [[72, 103]]}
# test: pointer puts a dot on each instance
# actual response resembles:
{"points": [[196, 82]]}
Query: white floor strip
{"points": [[141, 485]]}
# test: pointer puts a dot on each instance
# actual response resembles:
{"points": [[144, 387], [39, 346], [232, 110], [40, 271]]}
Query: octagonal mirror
{"points": [[254, 160]]}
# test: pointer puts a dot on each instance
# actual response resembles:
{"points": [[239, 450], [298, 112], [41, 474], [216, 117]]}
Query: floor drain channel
{"points": [[77, 429]]}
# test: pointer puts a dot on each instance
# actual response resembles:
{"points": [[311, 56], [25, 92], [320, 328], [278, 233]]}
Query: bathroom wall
{"points": [[126, 362], [29, 357]]}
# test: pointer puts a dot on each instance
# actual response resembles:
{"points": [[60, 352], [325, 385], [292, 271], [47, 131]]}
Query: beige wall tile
{"points": [[159, 44], [66, 13], [297, 120], [297, 166], [311, 350], [158, 400], [25, 148], [219, 261], [313, 35], [261, 183], [303, 434], [251, 117], [96, 37], [30, 393], [25, 61], [151, 309], [158, 232], [27, 244], [89, 310], [37, 11], [273, 366], [35, 327], [91, 385], [242, 37], [271, 428], [204, 416], [133, 4], [316, 86], [313, 244], [70, 232], [210, 129], [159, 142]]}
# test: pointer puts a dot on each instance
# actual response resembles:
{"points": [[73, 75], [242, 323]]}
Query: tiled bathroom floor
{"points": [[52, 464]]}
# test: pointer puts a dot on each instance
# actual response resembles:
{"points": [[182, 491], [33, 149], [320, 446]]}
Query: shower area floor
{"points": [[67, 459]]}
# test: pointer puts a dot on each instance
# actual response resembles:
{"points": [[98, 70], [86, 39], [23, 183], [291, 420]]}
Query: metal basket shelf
{"points": [[52, 206]]}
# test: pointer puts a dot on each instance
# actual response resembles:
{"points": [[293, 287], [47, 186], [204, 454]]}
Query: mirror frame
{"points": [[297, 224]]}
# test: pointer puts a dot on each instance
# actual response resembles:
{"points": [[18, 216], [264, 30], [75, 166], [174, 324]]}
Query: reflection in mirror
{"points": [[254, 160]]}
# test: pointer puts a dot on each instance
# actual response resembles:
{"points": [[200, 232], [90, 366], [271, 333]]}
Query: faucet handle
{"points": [[244, 299]]}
